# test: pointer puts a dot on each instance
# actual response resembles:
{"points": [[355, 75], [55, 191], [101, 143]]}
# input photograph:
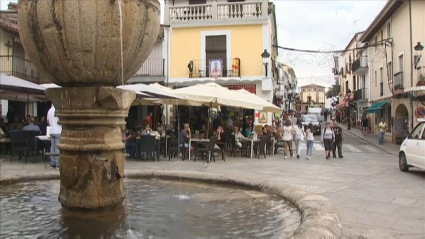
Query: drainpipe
{"points": [[411, 62]]}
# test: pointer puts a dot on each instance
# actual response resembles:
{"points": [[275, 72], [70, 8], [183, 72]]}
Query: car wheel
{"points": [[402, 162]]}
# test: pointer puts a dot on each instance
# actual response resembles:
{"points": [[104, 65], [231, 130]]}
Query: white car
{"points": [[412, 150], [318, 112]]}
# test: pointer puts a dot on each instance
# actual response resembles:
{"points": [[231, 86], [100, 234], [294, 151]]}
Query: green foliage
{"points": [[334, 91]]}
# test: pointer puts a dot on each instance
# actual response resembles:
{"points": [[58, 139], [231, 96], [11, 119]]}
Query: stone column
{"points": [[91, 163]]}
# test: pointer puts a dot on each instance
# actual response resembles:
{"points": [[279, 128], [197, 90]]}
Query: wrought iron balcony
{"points": [[360, 94], [202, 68], [216, 11], [360, 66], [21, 68], [399, 83], [152, 67]]}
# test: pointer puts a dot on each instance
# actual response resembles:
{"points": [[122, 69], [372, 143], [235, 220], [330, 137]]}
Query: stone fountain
{"points": [[77, 45]]}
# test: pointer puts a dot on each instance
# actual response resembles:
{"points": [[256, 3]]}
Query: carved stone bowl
{"points": [[77, 43]]}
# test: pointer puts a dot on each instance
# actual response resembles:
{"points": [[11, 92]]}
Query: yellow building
{"points": [[312, 96], [223, 42]]}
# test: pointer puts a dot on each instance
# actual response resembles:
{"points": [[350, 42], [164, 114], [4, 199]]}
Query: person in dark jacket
{"points": [[339, 137]]}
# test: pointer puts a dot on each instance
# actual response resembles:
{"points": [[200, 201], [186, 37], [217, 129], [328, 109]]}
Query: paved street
{"points": [[372, 196]]}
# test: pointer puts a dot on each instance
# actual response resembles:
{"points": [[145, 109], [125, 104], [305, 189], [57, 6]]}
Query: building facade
{"points": [[396, 69], [286, 88], [353, 78], [223, 42], [312, 96], [15, 62]]}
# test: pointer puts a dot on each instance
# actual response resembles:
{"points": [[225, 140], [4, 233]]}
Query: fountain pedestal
{"points": [[91, 163]]}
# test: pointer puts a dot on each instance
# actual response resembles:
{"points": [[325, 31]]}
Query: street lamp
{"points": [[418, 54], [265, 55]]}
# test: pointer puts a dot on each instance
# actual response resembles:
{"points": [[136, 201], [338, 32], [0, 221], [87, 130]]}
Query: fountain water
{"points": [[74, 43]]}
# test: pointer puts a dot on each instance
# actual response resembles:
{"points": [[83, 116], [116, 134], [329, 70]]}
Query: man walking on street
{"points": [[365, 126], [339, 137], [55, 134], [382, 128]]}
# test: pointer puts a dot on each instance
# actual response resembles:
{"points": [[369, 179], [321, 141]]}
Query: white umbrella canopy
{"points": [[152, 91], [12, 83], [215, 95], [267, 106], [181, 101]]}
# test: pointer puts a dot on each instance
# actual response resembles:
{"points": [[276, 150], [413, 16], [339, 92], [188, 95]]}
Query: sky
{"points": [[315, 25]]}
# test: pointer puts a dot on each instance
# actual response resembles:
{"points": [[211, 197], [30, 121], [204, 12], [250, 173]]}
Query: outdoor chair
{"points": [[147, 146], [23, 143], [234, 148], [207, 151], [260, 147]]}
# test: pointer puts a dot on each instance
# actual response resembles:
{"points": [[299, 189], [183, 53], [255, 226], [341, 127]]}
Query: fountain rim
{"points": [[318, 216]]}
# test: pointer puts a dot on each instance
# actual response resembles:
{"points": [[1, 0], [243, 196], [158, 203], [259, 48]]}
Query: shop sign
{"points": [[420, 113], [249, 88]]}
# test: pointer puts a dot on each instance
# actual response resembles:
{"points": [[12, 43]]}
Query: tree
{"points": [[333, 91]]}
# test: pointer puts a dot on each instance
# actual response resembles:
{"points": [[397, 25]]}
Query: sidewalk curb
{"points": [[376, 146]]}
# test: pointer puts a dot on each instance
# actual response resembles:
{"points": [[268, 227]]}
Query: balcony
{"points": [[201, 68], [360, 66], [399, 83], [152, 67], [21, 68], [360, 94], [216, 12]]}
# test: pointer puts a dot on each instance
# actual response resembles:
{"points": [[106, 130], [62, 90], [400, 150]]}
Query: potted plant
{"points": [[421, 81]]}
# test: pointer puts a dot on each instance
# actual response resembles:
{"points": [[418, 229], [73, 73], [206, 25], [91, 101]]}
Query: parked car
{"points": [[311, 119], [318, 112], [412, 150]]}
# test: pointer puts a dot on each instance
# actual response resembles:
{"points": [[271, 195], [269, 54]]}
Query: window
{"points": [[381, 80], [382, 35], [197, 2], [215, 48], [400, 63], [376, 79], [390, 71], [417, 131], [389, 30]]}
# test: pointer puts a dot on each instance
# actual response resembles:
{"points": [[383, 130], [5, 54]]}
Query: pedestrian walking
{"points": [[382, 128], [328, 138], [310, 140], [288, 132], [325, 115], [339, 137], [299, 134], [365, 126], [338, 116], [55, 134]]}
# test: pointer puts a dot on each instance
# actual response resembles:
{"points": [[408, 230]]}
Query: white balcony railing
{"points": [[216, 11]]}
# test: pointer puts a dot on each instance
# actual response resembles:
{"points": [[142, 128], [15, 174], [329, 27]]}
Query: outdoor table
{"points": [[196, 141], [43, 138], [252, 140]]}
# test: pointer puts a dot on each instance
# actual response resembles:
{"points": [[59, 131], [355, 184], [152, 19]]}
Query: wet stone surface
{"points": [[153, 208]]}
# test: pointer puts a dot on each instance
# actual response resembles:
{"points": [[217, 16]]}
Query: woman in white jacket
{"points": [[299, 133]]}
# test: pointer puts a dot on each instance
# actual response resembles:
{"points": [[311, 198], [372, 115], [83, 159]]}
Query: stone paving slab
{"points": [[374, 199]]}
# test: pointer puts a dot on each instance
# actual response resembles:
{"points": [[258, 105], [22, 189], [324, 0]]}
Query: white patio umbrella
{"points": [[214, 95], [152, 91], [12, 83], [267, 106]]}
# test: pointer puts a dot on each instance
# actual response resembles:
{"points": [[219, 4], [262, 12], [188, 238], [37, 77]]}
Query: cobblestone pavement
{"points": [[374, 199]]}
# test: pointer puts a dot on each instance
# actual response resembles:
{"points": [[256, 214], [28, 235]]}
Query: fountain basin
{"points": [[319, 218]]}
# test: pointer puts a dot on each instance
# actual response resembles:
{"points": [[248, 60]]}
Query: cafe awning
{"points": [[376, 107]]}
